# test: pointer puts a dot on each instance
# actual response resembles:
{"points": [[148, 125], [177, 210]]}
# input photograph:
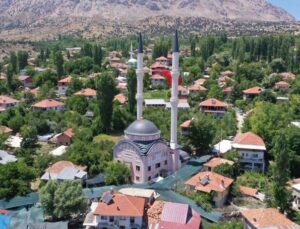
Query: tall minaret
{"points": [[174, 96], [131, 51], [140, 78]]}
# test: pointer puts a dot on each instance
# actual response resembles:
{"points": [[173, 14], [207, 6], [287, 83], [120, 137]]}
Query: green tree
{"points": [[9, 78], [22, 59], [59, 63], [116, 173], [15, 179], [106, 91], [78, 103], [29, 135], [281, 172], [14, 61], [201, 135], [226, 170], [63, 199], [131, 85]]}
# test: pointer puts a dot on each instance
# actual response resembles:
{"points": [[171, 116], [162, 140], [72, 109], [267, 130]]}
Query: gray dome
{"points": [[142, 127]]}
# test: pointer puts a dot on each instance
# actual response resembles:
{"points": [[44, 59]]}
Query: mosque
{"points": [[142, 148]]}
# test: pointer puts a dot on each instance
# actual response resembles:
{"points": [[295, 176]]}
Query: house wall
{"points": [[118, 221], [157, 82], [253, 157], [62, 89], [220, 198], [63, 140]]}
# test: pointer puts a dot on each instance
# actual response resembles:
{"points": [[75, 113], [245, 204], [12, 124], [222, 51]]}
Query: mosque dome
{"points": [[142, 130]]}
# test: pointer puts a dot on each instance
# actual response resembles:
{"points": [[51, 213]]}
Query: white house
{"points": [[63, 85], [251, 149], [296, 195], [48, 105], [116, 210]]}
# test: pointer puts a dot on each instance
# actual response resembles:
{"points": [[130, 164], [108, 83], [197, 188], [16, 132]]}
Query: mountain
{"points": [[51, 17]]}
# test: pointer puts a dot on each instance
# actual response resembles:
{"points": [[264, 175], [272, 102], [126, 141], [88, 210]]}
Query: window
{"points": [[149, 168], [111, 219], [122, 218], [137, 178], [156, 175], [132, 220], [104, 217], [137, 168], [149, 178], [157, 165], [255, 155], [166, 162]]}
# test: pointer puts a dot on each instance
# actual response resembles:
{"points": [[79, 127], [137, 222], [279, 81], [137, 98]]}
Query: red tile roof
{"points": [[216, 161], [288, 76], [5, 130], [121, 98], [122, 205], [227, 73], [253, 91], [57, 167], [87, 92], [228, 89], [282, 84], [158, 65], [48, 103], [200, 81], [296, 181], [248, 138], [186, 124], [7, 100], [182, 88], [213, 103], [157, 77], [162, 58], [22, 78], [122, 86], [197, 87], [267, 218], [247, 191], [66, 80], [216, 182], [69, 132]]}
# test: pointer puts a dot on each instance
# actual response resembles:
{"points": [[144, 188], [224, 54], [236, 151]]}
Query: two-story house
{"points": [[212, 183], [63, 85], [213, 106], [116, 210], [250, 93], [7, 102], [158, 80], [251, 149], [27, 81]]}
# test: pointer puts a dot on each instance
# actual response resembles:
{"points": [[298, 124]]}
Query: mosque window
{"points": [[137, 168]]}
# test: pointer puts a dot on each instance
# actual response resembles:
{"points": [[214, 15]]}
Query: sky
{"points": [[292, 6]]}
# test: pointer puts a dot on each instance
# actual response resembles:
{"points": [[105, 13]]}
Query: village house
{"points": [[200, 81], [158, 80], [227, 73], [296, 195], [228, 91], [223, 80], [215, 162], [155, 103], [6, 157], [211, 183], [266, 218], [213, 106], [169, 215], [282, 85], [65, 170], [250, 93], [148, 194], [63, 85], [182, 104], [116, 210], [121, 98], [185, 127], [122, 87], [158, 66], [5, 130], [64, 138], [27, 81], [196, 88], [162, 60], [48, 105], [7, 102], [251, 149], [183, 91], [88, 93], [286, 76]]}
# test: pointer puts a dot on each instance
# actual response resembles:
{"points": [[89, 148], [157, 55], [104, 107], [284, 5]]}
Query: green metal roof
{"points": [[20, 201]]}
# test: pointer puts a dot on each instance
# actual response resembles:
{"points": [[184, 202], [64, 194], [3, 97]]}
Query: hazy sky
{"points": [[292, 6]]}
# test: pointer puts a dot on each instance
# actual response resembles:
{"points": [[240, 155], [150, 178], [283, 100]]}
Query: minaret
{"points": [[131, 51], [140, 78], [174, 96]]}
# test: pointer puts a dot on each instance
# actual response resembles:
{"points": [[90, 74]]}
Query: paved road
{"points": [[240, 119]]}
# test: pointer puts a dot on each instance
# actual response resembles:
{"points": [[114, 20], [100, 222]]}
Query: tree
{"points": [[22, 59], [131, 85], [61, 200], [116, 173], [9, 78], [15, 179], [233, 224], [278, 65], [226, 170], [78, 103], [106, 91], [59, 63], [201, 134], [13, 62], [29, 135], [281, 172]]}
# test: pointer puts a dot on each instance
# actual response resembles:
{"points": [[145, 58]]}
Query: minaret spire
{"points": [[174, 96], [140, 78], [131, 51]]}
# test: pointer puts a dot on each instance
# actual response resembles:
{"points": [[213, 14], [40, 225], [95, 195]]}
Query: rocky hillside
{"points": [[22, 18]]}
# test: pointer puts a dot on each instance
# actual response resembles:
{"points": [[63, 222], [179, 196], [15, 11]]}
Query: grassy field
{"points": [[104, 137], [157, 94]]}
